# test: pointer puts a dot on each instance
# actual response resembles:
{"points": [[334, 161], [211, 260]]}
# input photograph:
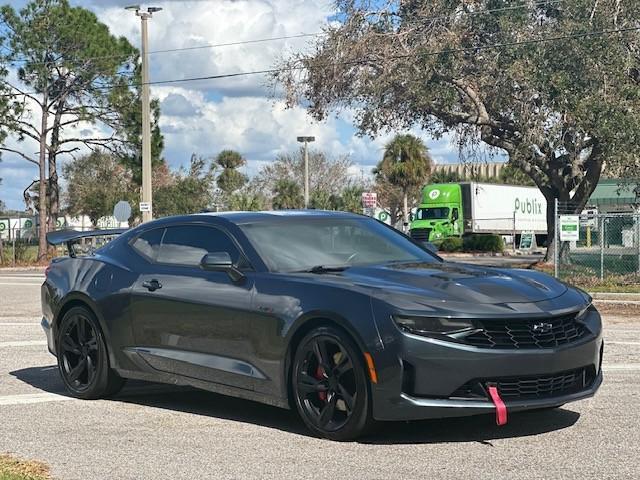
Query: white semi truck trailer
{"points": [[456, 209]]}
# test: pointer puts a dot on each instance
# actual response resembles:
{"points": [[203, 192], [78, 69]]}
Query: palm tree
{"points": [[287, 195], [406, 164], [230, 179], [246, 202]]}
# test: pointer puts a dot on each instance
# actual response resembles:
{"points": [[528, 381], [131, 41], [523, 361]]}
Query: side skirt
{"points": [[171, 379]]}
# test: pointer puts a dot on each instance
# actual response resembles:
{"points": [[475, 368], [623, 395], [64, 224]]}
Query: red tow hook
{"points": [[501, 408]]}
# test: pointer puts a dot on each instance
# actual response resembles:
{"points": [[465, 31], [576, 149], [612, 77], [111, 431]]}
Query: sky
{"points": [[239, 113]]}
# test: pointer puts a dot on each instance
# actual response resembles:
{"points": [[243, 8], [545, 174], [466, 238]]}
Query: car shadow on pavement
{"points": [[480, 428]]}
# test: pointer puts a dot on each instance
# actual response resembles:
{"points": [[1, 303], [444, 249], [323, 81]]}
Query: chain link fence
{"points": [[597, 248], [19, 244]]}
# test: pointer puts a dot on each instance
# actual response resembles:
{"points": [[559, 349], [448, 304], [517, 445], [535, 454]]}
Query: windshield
{"points": [[432, 213], [302, 243]]}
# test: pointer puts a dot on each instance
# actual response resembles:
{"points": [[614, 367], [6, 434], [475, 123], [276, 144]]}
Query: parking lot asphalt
{"points": [[164, 432]]}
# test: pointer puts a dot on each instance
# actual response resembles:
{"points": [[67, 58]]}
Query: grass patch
{"points": [[14, 469], [26, 255]]}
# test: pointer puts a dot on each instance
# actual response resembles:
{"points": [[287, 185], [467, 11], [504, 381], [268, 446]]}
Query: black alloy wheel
{"points": [[82, 356], [330, 385]]}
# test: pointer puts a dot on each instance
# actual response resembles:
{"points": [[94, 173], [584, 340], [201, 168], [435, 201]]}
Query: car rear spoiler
{"points": [[70, 237]]}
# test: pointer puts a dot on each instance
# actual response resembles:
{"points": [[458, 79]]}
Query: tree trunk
{"points": [[551, 226], [54, 191], [42, 183], [563, 197], [579, 200], [405, 213], [54, 194]]}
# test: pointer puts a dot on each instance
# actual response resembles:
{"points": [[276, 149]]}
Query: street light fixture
{"points": [[306, 141], [146, 205]]}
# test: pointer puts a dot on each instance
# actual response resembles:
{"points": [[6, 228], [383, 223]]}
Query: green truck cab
{"points": [[439, 214]]}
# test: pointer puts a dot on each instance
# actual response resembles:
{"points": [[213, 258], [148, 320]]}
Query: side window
{"points": [[148, 244], [186, 245]]}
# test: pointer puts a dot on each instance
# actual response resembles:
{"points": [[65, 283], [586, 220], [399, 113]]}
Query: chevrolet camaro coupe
{"points": [[335, 315]]}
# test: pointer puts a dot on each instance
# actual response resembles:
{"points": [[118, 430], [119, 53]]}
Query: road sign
{"points": [[527, 241], [369, 199], [569, 228], [122, 211], [589, 217], [145, 206]]}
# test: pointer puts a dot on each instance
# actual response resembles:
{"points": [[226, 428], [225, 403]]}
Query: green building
{"points": [[615, 196]]}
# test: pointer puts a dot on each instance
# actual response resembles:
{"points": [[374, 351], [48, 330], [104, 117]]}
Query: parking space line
{"points": [[26, 343], [622, 343], [26, 398], [14, 284], [621, 367]]}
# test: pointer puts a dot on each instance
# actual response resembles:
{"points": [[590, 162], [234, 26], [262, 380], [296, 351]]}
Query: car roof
{"points": [[239, 218], [276, 215]]}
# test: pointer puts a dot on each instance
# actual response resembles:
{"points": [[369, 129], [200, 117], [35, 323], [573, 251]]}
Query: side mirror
{"points": [[454, 215], [221, 262]]}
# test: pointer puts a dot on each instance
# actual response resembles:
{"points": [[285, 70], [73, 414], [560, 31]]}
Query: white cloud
{"points": [[238, 113], [191, 24]]}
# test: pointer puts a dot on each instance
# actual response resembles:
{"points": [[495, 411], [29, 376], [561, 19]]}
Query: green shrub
{"points": [[451, 244], [483, 243]]}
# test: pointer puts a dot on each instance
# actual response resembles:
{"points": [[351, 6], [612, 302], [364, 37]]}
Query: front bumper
{"points": [[420, 377], [414, 408]]}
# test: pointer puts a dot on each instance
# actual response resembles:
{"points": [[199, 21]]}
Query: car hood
{"points": [[456, 283]]}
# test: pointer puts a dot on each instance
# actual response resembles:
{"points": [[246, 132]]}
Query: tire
{"points": [[330, 386], [83, 359]]}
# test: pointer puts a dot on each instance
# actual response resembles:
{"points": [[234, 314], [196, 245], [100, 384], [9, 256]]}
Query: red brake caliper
{"points": [[320, 376]]}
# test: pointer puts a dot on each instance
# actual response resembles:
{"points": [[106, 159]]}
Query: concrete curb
{"points": [[489, 254], [618, 297]]}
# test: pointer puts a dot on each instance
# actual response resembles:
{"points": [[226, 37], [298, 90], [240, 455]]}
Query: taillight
{"points": [[46, 270]]}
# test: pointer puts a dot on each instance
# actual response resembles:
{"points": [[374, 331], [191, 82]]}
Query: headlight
{"points": [[583, 313], [427, 325]]}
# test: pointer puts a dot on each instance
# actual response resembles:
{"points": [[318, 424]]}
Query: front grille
{"points": [[539, 386], [420, 234], [527, 333]]}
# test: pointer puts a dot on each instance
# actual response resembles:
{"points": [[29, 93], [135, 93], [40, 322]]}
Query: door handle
{"points": [[152, 285]]}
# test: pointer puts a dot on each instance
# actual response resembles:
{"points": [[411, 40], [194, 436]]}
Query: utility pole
{"points": [[146, 205], [306, 140]]}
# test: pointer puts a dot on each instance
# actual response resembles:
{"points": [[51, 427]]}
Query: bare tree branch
{"points": [[23, 155]]}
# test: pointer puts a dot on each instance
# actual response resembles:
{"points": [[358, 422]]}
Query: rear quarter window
{"points": [[148, 243]]}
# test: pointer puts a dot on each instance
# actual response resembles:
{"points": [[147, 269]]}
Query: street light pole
{"points": [[306, 140], [147, 194]]}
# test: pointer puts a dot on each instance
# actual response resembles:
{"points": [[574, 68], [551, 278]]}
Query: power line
{"points": [[241, 42], [24, 62], [356, 62], [432, 53]]}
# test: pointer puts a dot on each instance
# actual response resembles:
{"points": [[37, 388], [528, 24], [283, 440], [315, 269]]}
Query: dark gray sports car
{"points": [[333, 314]]}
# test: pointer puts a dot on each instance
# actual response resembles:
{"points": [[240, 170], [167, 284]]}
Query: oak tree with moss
{"points": [[554, 85]]}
